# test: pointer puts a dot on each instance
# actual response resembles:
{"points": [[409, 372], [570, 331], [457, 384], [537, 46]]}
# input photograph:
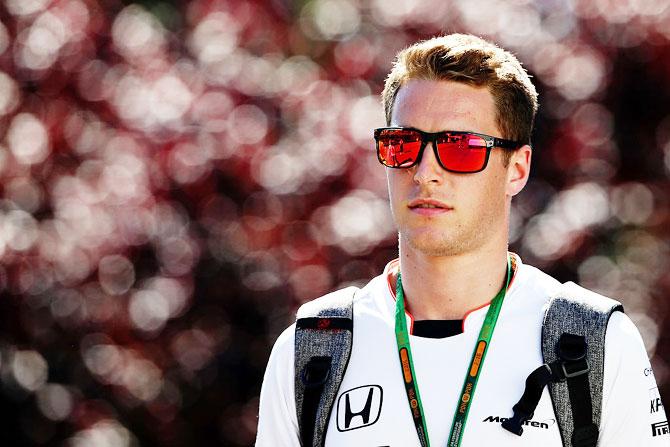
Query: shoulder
{"points": [[331, 304], [282, 351], [621, 325], [529, 292], [562, 307], [574, 302], [623, 339], [334, 303], [541, 286], [591, 310], [533, 281], [632, 411]]}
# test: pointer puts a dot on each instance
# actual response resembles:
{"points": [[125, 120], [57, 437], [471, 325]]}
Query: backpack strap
{"points": [[583, 313], [323, 340], [573, 348]]}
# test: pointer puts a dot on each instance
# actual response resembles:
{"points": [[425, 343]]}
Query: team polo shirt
{"points": [[371, 407]]}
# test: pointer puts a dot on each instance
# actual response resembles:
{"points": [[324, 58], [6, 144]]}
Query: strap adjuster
{"points": [[574, 369]]}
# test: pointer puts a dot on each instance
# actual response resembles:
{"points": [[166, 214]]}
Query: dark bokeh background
{"points": [[177, 177]]}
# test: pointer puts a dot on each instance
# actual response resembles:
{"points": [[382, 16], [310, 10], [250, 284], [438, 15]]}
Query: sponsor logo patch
{"points": [[655, 405], [655, 402], [660, 428], [359, 407]]}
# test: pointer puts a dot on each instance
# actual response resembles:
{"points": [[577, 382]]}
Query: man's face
{"points": [[475, 212]]}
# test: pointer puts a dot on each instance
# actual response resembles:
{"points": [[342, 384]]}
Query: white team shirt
{"points": [[371, 408]]}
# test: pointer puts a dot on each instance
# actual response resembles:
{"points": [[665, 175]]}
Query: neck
{"points": [[448, 287]]}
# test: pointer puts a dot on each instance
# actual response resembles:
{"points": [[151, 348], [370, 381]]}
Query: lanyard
{"points": [[470, 383]]}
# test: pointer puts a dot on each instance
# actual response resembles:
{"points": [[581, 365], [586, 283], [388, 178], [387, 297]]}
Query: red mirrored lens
{"points": [[398, 148], [462, 152]]}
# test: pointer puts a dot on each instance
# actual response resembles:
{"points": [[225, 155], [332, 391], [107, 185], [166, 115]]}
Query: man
{"points": [[460, 113]]}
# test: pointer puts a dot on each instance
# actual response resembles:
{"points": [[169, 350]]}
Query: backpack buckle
{"points": [[316, 372], [514, 424]]}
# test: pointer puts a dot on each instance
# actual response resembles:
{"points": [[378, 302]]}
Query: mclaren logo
{"points": [[544, 424], [359, 407]]}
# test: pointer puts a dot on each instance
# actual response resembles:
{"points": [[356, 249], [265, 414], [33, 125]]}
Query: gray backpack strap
{"points": [[578, 312], [323, 340]]}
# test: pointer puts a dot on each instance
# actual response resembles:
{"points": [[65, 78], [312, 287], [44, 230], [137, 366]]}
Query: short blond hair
{"points": [[474, 61]]}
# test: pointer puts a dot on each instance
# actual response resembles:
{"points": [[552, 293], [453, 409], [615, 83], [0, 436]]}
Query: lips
{"points": [[428, 204], [428, 207]]}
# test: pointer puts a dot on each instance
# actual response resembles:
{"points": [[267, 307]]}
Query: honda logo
{"points": [[359, 407]]}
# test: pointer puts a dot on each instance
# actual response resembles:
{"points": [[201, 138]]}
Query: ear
{"points": [[518, 170]]}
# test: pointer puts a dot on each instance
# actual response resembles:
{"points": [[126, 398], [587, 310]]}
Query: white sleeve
{"points": [[632, 412], [277, 420]]}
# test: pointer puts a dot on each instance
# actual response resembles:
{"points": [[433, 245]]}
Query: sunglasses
{"points": [[463, 152]]}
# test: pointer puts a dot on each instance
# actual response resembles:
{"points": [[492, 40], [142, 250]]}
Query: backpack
{"points": [[573, 349]]}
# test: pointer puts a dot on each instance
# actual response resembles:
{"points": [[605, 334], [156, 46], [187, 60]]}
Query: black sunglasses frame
{"points": [[431, 137]]}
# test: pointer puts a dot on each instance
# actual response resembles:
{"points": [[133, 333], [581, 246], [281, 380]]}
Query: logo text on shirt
{"points": [[660, 428], [528, 423], [656, 404]]}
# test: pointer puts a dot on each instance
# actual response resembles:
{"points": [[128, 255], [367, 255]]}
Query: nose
{"points": [[428, 170]]}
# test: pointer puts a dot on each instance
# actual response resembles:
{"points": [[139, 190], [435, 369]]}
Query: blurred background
{"points": [[177, 177]]}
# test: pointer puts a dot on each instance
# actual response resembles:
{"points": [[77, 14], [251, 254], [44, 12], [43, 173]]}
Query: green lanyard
{"points": [[470, 383]]}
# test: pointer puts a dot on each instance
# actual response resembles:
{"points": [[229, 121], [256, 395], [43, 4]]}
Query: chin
{"points": [[431, 244]]}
